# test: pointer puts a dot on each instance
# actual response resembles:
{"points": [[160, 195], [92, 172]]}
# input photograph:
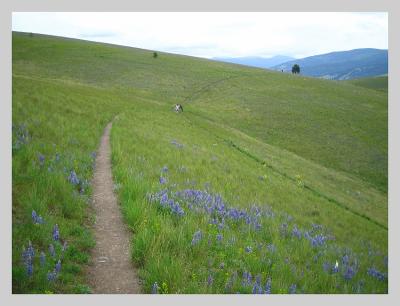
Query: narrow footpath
{"points": [[111, 270]]}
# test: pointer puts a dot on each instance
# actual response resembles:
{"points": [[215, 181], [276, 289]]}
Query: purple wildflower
{"points": [[93, 155], [163, 180], [34, 216], [51, 276], [42, 259], [36, 219], [257, 289], [248, 249], [56, 233], [73, 178], [58, 266], [154, 288], [29, 267], [41, 159], [177, 144], [377, 274], [219, 237], [196, 237], [292, 289], [327, 267], [349, 273], [296, 232], [164, 169], [210, 280], [268, 287], [271, 247]]}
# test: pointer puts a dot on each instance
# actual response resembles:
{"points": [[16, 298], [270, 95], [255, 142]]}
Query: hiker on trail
{"points": [[178, 108]]}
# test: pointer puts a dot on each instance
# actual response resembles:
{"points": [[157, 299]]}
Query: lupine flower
{"points": [[154, 288], [271, 247], [345, 260], [52, 251], [246, 278], [42, 259], [28, 255], [58, 266], [292, 289], [296, 232], [93, 154], [219, 237], [30, 250], [210, 280], [51, 276], [164, 169], [163, 180], [41, 159], [176, 144], [349, 273], [196, 237], [56, 233], [248, 249], [29, 267], [268, 287], [257, 289], [36, 219], [375, 273], [73, 178], [34, 216], [327, 267]]}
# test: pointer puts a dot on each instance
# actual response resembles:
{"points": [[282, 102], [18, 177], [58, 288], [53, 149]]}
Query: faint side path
{"points": [[111, 270]]}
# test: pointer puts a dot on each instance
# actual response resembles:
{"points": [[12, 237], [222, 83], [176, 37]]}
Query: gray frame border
{"points": [[7, 7]]}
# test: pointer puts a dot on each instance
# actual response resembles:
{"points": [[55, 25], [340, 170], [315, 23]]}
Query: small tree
{"points": [[155, 54], [295, 69]]}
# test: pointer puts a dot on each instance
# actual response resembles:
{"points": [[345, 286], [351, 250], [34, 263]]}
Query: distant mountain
{"points": [[343, 65], [254, 61]]}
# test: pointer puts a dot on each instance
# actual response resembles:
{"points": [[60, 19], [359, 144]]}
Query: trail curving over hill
{"points": [[111, 270]]}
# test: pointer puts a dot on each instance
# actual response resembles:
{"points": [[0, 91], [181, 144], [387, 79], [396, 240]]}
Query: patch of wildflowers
{"points": [[376, 274]]}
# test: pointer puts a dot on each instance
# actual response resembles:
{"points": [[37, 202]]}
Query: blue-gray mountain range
{"points": [[342, 65]]}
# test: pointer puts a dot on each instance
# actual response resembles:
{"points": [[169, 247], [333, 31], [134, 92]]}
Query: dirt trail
{"points": [[111, 270]]}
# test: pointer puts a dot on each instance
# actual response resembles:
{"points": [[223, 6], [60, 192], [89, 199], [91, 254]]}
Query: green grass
{"points": [[312, 151], [378, 83]]}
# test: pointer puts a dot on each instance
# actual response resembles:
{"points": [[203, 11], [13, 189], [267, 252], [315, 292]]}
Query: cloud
{"points": [[97, 34], [215, 34]]}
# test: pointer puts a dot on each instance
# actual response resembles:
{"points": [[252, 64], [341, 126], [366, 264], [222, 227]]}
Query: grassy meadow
{"points": [[266, 183]]}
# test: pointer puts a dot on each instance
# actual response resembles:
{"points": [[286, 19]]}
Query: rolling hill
{"points": [[377, 83], [265, 180], [342, 65]]}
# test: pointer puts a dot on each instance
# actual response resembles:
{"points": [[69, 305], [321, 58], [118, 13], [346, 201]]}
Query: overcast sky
{"points": [[218, 34]]}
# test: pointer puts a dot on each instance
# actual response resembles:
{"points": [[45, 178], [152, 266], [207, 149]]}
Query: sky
{"points": [[234, 34]]}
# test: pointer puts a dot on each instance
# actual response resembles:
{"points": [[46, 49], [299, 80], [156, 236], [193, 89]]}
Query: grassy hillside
{"points": [[378, 83], [300, 166]]}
